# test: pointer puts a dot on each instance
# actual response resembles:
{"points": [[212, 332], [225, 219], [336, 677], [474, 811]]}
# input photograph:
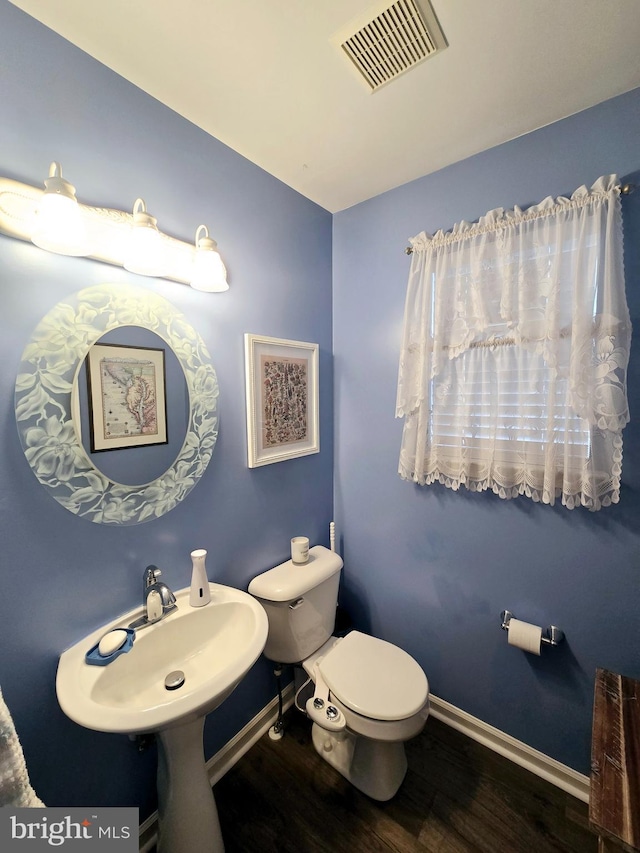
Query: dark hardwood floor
{"points": [[457, 797]]}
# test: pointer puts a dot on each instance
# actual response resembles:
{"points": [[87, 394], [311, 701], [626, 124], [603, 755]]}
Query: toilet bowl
{"points": [[382, 694], [369, 695]]}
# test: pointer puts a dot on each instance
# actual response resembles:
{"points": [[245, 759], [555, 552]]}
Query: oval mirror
{"points": [[46, 402]]}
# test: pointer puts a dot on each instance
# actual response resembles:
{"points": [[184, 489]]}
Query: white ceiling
{"points": [[264, 77]]}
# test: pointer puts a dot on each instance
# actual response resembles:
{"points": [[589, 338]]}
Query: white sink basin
{"points": [[214, 646]]}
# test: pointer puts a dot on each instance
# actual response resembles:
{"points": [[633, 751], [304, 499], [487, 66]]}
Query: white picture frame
{"points": [[281, 378]]}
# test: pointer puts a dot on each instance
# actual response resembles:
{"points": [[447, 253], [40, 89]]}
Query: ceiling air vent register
{"points": [[391, 40]]}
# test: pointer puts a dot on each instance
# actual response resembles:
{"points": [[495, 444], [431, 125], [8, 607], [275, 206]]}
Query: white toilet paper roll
{"points": [[525, 636]]}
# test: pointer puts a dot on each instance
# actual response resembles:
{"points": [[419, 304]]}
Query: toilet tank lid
{"points": [[289, 581]]}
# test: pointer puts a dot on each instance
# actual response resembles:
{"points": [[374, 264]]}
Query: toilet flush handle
{"points": [[298, 603]]}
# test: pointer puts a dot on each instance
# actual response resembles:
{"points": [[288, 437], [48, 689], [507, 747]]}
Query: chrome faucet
{"points": [[157, 598], [166, 601]]}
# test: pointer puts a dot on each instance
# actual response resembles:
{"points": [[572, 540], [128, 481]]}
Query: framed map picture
{"points": [[282, 399], [127, 400]]}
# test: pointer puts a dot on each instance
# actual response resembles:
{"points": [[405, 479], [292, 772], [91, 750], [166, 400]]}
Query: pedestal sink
{"points": [[213, 647]]}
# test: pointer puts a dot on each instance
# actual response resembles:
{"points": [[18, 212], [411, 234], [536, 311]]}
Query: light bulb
{"points": [[145, 253], [59, 223], [209, 273]]}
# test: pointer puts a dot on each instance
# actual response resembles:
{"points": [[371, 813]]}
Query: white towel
{"points": [[15, 788]]}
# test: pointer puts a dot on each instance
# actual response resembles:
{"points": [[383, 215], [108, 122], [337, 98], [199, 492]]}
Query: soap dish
{"points": [[94, 658]]}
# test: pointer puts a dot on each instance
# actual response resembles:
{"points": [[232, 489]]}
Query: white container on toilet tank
{"points": [[300, 601]]}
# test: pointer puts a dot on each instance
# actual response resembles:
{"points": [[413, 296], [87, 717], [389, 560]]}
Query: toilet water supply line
{"points": [[276, 732], [277, 729]]}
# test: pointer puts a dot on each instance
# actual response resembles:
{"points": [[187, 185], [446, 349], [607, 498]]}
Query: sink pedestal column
{"points": [[187, 813]]}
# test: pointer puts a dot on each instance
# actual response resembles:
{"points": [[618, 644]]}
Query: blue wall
{"points": [[426, 568], [431, 569], [62, 576]]}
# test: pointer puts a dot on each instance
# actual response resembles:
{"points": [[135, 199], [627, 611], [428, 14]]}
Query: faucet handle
{"points": [[151, 574]]}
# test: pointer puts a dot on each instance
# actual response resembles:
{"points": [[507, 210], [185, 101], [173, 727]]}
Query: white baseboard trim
{"points": [[226, 757], [542, 765], [233, 751]]}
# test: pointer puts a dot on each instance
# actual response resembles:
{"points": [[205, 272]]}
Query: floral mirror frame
{"points": [[44, 404]]}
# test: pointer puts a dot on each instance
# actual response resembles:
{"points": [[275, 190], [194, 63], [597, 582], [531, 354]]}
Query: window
{"points": [[515, 348]]}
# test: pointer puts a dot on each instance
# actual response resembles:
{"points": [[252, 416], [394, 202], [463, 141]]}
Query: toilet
{"points": [[370, 696]]}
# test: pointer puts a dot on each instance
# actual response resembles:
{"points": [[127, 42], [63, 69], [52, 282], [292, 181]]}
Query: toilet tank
{"points": [[300, 601]]}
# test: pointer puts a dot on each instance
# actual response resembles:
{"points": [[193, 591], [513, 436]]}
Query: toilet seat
{"points": [[374, 678], [390, 731]]}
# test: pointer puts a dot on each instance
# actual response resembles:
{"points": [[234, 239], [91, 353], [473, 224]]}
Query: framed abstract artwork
{"points": [[127, 396], [282, 399]]}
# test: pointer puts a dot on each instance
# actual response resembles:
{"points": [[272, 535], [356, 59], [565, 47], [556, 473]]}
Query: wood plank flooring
{"points": [[457, 797]]}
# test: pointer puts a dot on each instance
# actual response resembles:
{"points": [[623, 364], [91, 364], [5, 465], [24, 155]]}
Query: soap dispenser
{"points": [[200, 593]]}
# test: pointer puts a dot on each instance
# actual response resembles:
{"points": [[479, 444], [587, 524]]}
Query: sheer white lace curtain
{"points": [[514, 353]]}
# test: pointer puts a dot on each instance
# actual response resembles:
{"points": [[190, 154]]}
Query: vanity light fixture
{"points": [[145, 252], [209, 273], [106, 235], [58, 223]]}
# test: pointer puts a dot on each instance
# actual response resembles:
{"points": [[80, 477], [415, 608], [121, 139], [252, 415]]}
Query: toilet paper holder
{"points": [[551, 636]]}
